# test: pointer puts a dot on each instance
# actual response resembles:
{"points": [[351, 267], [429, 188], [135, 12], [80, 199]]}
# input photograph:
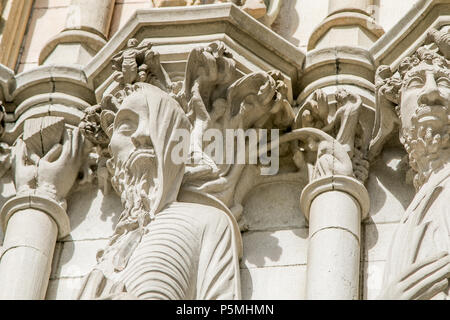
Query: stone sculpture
{"points": [[338, 146], [418, 265], [161, 248]]}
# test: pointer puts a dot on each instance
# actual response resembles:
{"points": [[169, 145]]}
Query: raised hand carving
{"points": [[214, 97], [415, 268], [52, 175], [442, 39]]}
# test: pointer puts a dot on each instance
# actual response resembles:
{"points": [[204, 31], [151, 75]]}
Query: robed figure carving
{"points": [[418, 264], [161, 248]]}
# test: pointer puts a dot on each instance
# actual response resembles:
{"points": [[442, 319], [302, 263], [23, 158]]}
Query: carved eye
{"points": [[443, 82], [415, 82], [125, 127]]}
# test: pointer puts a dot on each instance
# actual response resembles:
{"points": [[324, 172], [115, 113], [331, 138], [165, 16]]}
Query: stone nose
{"points": [[431, 95]]}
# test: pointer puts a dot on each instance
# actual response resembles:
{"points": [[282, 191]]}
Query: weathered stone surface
{"points": [[335, 184], [274, 283], [274, 248]]}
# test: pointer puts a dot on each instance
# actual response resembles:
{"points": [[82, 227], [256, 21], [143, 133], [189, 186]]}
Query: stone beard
{"points": [[161, 248], [428, 147], [424, 113], [133, 181]]}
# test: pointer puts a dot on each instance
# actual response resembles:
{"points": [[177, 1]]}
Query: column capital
{"points": [[44, 204], [335, 183]]}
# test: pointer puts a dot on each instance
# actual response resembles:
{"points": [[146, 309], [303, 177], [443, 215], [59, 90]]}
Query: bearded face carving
{"points": [[420, 247], [424, 114], [141, 139], [161, 248]]}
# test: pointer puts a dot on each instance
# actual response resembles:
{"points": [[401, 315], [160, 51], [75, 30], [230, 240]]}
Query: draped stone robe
{"points": [[424, 230], [188, 252]]}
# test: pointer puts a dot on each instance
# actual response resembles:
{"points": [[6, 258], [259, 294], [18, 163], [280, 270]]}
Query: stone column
{"points": [[335, 207], [32, 225], [349, 23], [86, 31]]}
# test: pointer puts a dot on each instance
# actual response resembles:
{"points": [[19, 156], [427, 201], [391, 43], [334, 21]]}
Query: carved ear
{"points": [[106, 121]]}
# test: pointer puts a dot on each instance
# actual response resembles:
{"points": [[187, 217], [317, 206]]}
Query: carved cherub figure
{"points": [[346, 118], [337, 153], [126, 62]]}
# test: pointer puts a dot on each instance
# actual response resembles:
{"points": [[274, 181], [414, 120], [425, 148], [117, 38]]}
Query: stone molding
{"points": [[345, 18], [407, 35], [44, 204], [94, 41], [335, 183]]}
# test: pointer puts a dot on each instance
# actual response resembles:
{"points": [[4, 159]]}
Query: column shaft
{"points": [[334, 247], [87, 28], [27, 255], [93, 16]]}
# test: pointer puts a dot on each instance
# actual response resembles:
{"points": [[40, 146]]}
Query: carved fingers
{"points": [[54, 174], [58, 169], [423, 280], [24, 167], [428, 277]]}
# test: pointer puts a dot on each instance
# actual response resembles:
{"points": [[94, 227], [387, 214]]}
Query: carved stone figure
{"points": [[339, 143], [161, 248], [418, 265]]}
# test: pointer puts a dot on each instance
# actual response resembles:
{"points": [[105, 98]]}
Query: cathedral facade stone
{"points": [[204, 150]]}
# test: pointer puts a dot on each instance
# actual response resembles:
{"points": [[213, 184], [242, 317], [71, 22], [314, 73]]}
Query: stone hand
{"points": [[422, 281], [58, 169], [24, 167]]}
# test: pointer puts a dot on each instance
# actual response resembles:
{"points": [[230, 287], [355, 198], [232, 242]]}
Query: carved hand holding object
{"points": [[52, 175]]}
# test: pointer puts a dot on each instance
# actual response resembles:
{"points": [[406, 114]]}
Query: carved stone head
{"points": [[142, 137], [420, 94], [425, 93]]}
